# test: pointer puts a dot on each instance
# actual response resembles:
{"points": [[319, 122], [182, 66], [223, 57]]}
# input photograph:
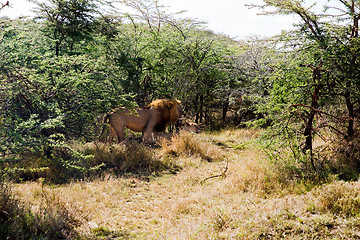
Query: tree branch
{"points": [[3, 5]]}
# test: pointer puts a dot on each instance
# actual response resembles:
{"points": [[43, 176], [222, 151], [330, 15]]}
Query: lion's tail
{"points": [[105, 120]]}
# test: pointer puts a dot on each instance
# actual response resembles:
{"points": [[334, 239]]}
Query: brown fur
{"points": [[149, 120]]}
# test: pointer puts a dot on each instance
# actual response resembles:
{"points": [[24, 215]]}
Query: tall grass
{"points": [[188, 144], [340, 198], [131, 157], [50, 221]]}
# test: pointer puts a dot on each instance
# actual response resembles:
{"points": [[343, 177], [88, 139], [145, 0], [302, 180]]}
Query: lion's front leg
{"points": [[149, 136], [154, 136], [149, 131]]}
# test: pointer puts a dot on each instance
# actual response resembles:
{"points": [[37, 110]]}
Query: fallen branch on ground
{"points": [[222, 174]]}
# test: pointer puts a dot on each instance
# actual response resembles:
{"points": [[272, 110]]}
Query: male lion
{"points": [[149, 120]]}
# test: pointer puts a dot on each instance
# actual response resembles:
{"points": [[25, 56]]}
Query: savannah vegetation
{"points": [[279, 151]]}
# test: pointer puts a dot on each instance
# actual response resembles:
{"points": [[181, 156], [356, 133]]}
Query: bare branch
{"points": [[3, 5], [222, 174]]}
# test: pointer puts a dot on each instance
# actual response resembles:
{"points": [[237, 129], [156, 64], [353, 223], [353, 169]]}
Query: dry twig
{"points": [[222, 174]]}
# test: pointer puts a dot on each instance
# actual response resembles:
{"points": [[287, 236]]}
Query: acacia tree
{"points": [[172, 57], [67, 21], [47, 99], [254, 66], [331, 43]]}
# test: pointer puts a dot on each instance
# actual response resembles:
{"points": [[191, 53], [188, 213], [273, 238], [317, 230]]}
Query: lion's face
{"points": [[175, 110], [170, 109]]}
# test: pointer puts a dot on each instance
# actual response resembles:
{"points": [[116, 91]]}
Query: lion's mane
{"points": [[167, 110]]}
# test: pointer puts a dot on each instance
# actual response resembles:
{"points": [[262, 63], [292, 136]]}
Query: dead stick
{"points": [[222, 174]]}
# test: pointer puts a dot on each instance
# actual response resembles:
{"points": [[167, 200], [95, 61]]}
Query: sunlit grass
{"points": [[218, 192]]}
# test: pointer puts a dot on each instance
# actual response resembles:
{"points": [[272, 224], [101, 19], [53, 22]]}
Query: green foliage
{"points": [[67, 22], [49, 98], [314, 90]]}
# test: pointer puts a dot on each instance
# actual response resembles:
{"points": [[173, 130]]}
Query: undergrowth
{"points": [[121, 158], [50, 221], [79, 161], [188, 144], [226, 192], [338, 198]]}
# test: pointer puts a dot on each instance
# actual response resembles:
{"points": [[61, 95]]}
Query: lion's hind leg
{"points": [[117, 128]]}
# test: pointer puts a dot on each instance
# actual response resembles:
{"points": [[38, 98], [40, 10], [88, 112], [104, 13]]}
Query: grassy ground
{"points": [[226, 188]]}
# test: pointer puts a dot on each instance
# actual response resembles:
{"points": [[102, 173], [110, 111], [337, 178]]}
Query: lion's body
{"points": [[149, 120]]}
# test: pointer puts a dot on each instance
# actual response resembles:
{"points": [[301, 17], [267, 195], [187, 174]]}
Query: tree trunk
{"points": [[201, 106], [313, 109], [350, 108], [309, 124], [57, 48], [225, 109]]}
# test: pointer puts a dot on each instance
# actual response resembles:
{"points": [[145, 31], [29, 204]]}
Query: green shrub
{"points": [[59, 163]]}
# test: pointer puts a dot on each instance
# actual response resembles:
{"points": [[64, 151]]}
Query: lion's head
{"points": [[169, 111]]}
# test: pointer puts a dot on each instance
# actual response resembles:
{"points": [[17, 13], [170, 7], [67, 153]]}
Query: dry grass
{"points": [[339, 198], [127, 157], [188, 144], [251, 200], [44, 217]]}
